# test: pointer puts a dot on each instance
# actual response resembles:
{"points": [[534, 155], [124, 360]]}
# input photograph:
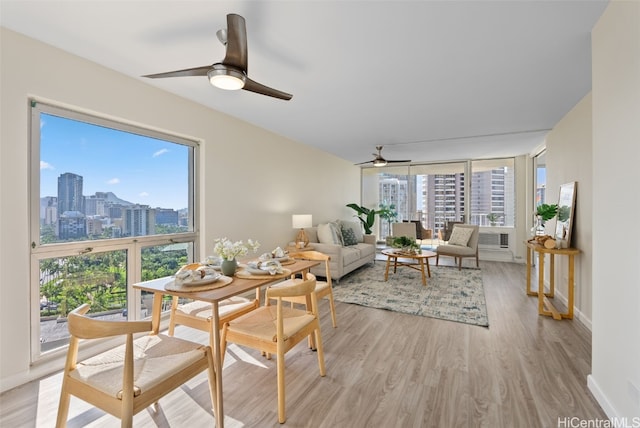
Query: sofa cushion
{"points": [[329, 233], [348, 237], [350, 255], [366, 249]]}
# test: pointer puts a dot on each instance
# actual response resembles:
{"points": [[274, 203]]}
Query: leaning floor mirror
{"points": [[566, 208]]}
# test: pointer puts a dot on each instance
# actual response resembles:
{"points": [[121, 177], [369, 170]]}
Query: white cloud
{"points": [[160, 152], [114, 181], [143, 194], [46, 165]]}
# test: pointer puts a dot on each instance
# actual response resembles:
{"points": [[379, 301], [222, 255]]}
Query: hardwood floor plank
{"points": [[384, 369]]}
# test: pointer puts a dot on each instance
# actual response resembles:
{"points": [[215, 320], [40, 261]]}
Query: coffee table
{"points": [[422, 258]]}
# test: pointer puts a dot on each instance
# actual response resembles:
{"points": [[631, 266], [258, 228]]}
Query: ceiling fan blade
{"points": [[197, 71], [363, 163], [259, 88], [236, 55], [398, 161]]}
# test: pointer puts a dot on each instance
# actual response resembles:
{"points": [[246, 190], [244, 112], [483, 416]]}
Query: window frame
{"points": [[132, 245]]}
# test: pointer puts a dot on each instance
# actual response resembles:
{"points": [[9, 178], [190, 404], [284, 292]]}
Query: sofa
{"points": [[346, 256]]}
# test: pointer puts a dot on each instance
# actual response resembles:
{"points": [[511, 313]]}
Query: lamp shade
{"points": [[300, 221]]}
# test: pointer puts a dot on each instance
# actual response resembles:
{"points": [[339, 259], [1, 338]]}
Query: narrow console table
{"points": [[545, 307]]}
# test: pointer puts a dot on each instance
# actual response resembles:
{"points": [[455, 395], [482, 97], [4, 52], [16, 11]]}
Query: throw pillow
{"points": [[356, 227], [348, 236], [328, 234], [460, 236]]}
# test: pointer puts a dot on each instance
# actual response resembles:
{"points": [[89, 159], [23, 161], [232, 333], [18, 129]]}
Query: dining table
{"points": [[241, 283]]}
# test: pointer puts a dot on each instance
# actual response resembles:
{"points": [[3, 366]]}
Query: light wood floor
{"points": [[384, 369]]}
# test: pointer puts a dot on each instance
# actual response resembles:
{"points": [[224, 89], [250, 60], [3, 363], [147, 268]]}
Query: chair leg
{"points": [[437, 259], [223, 343], [172, 315], [63, 408], [282, 417], [332, 305], [459, 263], [320, 351]]}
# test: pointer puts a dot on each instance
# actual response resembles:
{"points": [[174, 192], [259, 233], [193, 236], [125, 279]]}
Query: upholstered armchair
{"points": [[463, 242]]}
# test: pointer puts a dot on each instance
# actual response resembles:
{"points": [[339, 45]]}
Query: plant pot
{"points": [[228, 267]]}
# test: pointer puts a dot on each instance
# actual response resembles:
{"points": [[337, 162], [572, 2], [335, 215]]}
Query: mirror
{"points": [[566, 206]]}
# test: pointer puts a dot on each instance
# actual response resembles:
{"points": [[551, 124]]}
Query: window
{"points": [[112, 204], [492, 192], [481, 192]]}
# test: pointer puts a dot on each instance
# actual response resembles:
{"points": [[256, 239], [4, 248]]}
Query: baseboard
{"points": [[601, 398]]}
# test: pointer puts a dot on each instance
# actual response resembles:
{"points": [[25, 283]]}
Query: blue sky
{"points": [[135, 168]]}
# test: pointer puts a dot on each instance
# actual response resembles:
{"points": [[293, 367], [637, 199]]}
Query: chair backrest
{"points": [[314, 255], [83, 327], [448, 228], [294, 288], [418, 227], [404, 229], [473, 239]]}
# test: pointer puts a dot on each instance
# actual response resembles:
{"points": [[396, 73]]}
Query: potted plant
{"points": [[493, 218], [388, 213], [366, 216], [406, 244], [543, 213]]}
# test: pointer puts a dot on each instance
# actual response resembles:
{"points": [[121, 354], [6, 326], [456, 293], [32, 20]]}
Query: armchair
{"points": [[463, 242]]}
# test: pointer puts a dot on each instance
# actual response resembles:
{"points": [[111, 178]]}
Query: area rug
{"points": [[450, 294]]}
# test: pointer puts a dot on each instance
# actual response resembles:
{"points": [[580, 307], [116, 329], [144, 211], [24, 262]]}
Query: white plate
{"points": [[208, 279], [256, 271]]}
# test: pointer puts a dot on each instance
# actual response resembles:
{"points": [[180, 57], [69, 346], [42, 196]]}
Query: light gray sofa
{"points": [[344, 259]]}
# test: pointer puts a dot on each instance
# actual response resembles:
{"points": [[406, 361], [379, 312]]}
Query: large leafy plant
{"points": [[366, 216], [547, 211]]}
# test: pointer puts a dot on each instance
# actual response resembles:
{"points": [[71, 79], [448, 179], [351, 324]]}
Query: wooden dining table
{"points": [[239, 285]]}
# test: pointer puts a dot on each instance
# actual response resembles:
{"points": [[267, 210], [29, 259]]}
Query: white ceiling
{"points": [[430, 80]]}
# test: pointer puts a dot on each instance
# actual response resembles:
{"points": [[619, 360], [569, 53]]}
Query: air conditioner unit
{"points": [[496, 246], [493, 240]]}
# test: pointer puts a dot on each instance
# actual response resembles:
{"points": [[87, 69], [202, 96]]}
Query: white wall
{"points": [[569, 147], [615, 376], [252, 180]]}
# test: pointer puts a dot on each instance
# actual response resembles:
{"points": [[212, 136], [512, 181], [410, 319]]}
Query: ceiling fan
{"points": [[380, 161], [231, 73]]}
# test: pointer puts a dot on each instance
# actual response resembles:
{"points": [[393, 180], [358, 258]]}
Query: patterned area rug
{"points": [[450, 294]]}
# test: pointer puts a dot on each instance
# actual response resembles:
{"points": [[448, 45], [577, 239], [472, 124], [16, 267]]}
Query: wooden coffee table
{"points": [[422, 258]]}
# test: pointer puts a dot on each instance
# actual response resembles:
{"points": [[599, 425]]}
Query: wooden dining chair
{"points": [[199, 315], [277, 329], [323, 288], [129, 378]]}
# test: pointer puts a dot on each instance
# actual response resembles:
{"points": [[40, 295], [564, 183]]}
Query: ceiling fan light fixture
{"points": [[230, 80], [379, 162]]}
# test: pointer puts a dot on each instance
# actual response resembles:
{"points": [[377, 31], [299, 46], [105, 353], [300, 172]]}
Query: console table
{"points": [[545, 307]]}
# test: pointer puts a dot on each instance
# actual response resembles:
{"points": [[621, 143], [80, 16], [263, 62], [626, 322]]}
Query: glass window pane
{"points": [[67, 282], [98, 182], [492, 192], [160, 261]]}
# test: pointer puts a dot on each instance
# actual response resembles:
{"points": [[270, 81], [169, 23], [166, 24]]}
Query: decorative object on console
{"points": [[300, 221], [543, 213], [566, 208]]}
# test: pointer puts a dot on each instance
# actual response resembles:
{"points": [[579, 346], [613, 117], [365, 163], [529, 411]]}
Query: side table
{"points": [[545, 307]]}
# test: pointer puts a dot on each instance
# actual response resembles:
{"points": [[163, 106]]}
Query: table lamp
{"points": [[300, 221]]}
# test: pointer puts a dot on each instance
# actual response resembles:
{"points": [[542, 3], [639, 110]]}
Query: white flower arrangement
{"points": [[230, 250]]}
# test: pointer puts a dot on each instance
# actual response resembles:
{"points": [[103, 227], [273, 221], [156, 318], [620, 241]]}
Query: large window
{"points": [[438, 193], [112, 204], [492, 192]]}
